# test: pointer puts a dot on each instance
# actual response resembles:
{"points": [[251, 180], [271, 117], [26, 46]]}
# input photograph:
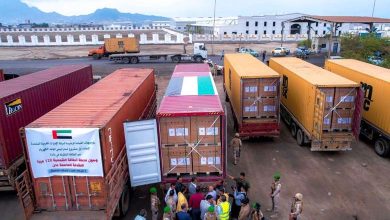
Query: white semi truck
{"points": [[199, 55]]}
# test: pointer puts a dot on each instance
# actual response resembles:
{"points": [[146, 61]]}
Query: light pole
{"points": [[212, 39], [373, 9]]}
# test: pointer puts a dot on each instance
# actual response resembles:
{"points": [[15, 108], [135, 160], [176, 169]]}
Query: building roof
{"points": [[247, 66], [311, 73], [339, 19], [364, 68]]}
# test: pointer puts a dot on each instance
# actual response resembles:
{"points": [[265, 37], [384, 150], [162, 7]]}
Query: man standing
{"points": [[240, 181], [192, 186], [296, 207], [183, 215], [222, 54], [238, 197], [154, 203], [210, 215], [245, 210], [205, 204], [236, 144], [171, 188], [167, 213], [223, 209], [194, 203], [179, 184], [212, 192], [264, 53], [181, 199], [275, 194]]}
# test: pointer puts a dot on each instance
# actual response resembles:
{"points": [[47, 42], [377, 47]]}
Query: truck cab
{"points": [[97, 53], [200, 50]]}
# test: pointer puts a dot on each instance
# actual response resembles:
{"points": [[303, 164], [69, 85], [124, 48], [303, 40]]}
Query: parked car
{"points": [[286, 50], [279, 51], [249, 51], [302, 52], [377, 60]]}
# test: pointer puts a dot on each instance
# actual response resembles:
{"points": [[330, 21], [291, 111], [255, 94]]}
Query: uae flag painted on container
{"points": [[191, 85], [62, 134]]}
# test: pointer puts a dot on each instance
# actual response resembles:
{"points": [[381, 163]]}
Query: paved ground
{"points": [[335, 186]]}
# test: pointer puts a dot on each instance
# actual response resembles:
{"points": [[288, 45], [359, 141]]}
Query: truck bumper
{"points": [[259, 130]]}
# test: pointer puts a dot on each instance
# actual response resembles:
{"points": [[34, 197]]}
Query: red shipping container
{"points": [[27, 98], [125, 95]]}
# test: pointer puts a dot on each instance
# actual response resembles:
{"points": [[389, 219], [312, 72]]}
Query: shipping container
{"points": [[122, 45], [319, 106], [76, 152], [252, 88], [27, 98], [375, 81], [189, 132]]}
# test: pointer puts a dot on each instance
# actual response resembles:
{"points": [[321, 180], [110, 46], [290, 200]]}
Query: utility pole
{"points": [[282, 32], [373, 9], [330, 39], [212, 39]]}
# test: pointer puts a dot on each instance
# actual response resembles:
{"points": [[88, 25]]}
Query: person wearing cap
{"points": [[236, 144], [210, 214], [205, 204], [257, 214], [223, 209], [245, 210], [154, 203], [275, 194], [142, 215], [167, 213], [296, 207]]}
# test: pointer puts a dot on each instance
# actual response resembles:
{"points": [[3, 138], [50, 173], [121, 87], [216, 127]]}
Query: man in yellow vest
{"points": [[223, 209]]}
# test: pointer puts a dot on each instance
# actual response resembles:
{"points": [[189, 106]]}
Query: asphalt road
{"points": [[337, 186]]}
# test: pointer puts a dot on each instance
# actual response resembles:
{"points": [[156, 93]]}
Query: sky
{"points": [[204, 8]]}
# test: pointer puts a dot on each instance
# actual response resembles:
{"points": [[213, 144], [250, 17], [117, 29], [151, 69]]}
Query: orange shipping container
{"points": [[253, 91], [67, 173], [122, 45], [319, 106]]}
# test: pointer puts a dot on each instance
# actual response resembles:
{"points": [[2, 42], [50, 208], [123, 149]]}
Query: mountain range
{"points": [[16, 12]]}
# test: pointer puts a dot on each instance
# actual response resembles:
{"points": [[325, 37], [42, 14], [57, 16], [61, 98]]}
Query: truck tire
{"points": [[198, 59], [300, 137], [133, 60], [96, 56], [176, 59], [125, 60], [382, 147], [124, 201], [293, 129]]}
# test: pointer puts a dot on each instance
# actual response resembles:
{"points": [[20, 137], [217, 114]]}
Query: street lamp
{"points": [[212, 39]]}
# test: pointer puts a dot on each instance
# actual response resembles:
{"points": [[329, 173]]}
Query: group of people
{"points": [[188, 202]]}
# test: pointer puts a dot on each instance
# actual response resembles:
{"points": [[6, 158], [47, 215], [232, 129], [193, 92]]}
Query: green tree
{"points": [[305, 43], [361, 47]]}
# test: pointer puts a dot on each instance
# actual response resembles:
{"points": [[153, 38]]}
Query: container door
{"points": [[143, 152], [357, 115], [318, 114]]}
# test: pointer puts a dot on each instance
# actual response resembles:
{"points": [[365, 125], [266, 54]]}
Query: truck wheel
{"points": [[300, 137], [293, 129], [124, 202], [96, 56], [198, 59], [382, 147], [125, 60], [176, 59], [133, 60]]}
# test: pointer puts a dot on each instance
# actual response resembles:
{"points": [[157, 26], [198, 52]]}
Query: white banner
{"points": [[64, 151]]}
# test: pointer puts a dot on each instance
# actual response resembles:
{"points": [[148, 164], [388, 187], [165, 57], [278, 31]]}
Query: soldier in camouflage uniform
{"points": [[154, 203], [236, 144]]}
